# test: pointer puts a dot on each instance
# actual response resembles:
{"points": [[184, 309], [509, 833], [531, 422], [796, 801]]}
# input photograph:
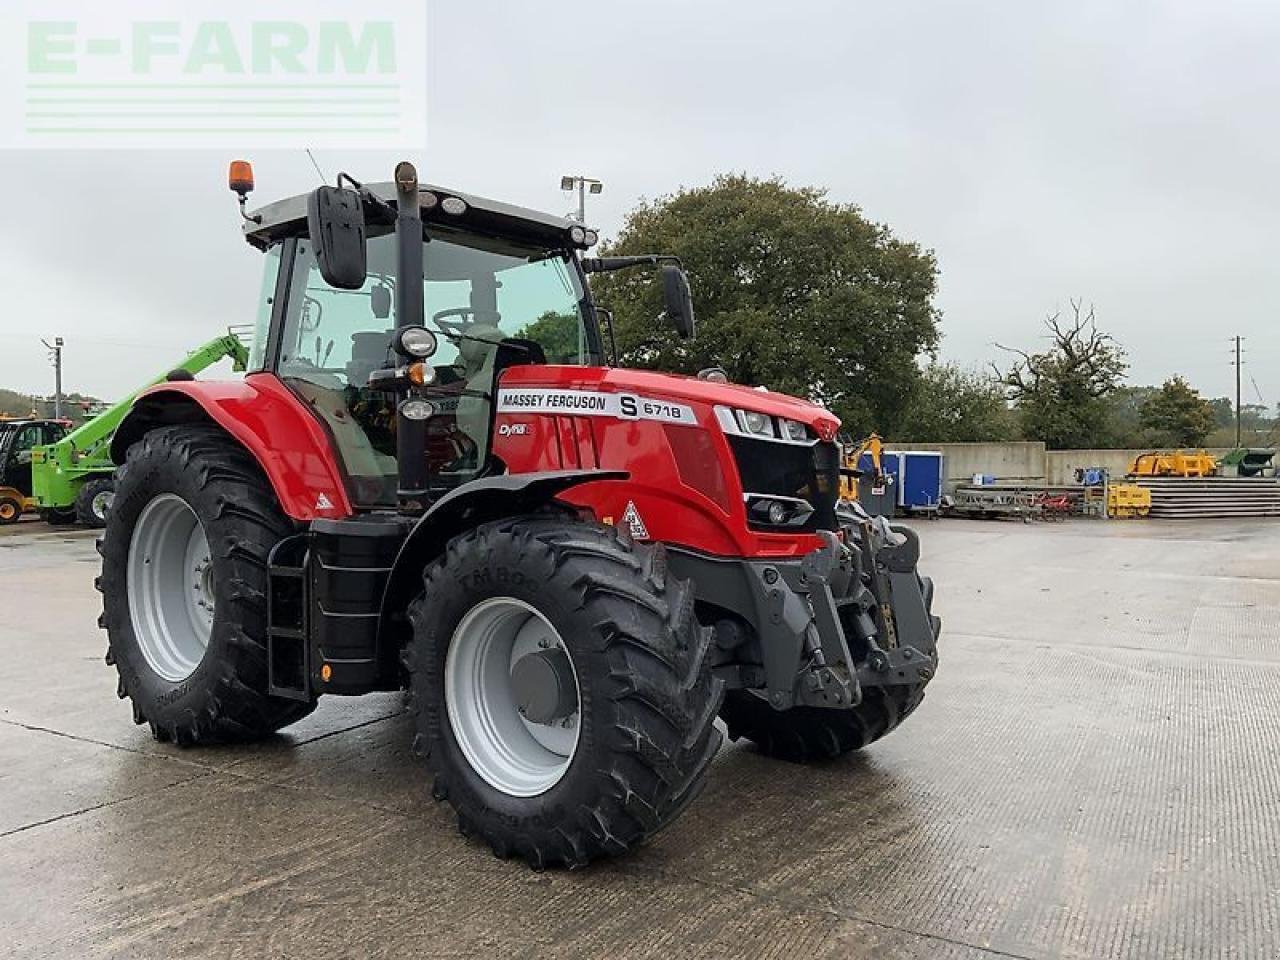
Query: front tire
{"points": [[634, 734], [805, 734], [94, 500], [10, 510], [184, 585]]}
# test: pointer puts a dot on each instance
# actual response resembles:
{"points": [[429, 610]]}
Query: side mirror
{"points": [[678, 300], [335, 220]]}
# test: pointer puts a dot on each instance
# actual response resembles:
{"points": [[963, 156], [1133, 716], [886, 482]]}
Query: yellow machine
{"points": [[1175, 464], [13, 504], [873, 446], [1128, 500]]}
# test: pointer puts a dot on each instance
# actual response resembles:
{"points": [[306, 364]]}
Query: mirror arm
{"points": [[608, 264], [607, 314], [367, 195]]}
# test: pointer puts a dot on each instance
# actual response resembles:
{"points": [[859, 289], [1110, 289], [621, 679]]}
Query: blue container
{"points": [[890, 463], [919, 479]]}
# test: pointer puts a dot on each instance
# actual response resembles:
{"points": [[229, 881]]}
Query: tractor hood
{"points": [[675, 388]]}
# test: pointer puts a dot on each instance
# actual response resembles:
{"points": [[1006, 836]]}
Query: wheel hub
{"points": [[101, 503], [171, 587], [511, 693], [544, 687]]}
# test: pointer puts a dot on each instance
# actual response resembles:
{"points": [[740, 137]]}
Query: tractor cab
{"points": [[501, 287], [18, 438]]}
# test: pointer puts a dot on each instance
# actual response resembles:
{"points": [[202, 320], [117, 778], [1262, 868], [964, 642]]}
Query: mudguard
{"points": [[267, 419], [480, 501]]}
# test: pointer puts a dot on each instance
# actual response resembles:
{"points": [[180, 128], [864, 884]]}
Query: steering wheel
{"points": [[452, 328]]}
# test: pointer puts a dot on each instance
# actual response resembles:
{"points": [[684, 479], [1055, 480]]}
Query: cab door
{"points": [[17, 470]]}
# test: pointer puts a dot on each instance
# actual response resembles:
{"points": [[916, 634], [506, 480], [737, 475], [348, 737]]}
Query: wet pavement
{"points": [[1094, 773]]}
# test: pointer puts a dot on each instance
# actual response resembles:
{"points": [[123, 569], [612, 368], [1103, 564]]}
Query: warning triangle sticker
{"points": [[631, 517]]}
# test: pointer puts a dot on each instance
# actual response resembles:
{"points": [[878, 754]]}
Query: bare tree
{"points": [[1082, 355], [1060, 391]]}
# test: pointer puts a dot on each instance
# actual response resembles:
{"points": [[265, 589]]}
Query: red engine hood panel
{"points": [[677, 387]]}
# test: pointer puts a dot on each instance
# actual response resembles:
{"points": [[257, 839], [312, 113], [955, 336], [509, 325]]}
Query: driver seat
{"points": [[476, 410]]}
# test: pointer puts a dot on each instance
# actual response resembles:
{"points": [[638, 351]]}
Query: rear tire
{"points": [[173, 478], [804, 734], [94, 500], [646, 702]]}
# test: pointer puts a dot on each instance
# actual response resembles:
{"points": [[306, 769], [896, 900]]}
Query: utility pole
{"points": [[55, 357], [1238, 364], [569, 183]]}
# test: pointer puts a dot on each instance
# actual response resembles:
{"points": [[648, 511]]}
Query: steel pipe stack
{"points": [[1191, 498]]}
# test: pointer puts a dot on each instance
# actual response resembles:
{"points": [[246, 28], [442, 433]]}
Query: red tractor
{"points": [[431, 480]]}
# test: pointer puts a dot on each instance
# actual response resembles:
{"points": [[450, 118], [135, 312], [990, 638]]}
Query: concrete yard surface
{"points": [[1095, 772]]}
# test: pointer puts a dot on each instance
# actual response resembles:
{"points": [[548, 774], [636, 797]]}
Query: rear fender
{"points": [[269, 421], [480, 501]]}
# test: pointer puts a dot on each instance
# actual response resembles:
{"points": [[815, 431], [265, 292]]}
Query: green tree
{"points": [[557, 334], [13, 404], [1061, 393], [1124, 417], [1177, 415], [792, 292], [952, 405], [1224, 412]]}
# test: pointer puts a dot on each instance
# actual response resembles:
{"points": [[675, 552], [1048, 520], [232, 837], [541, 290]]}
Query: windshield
{"points": [[479, 293]]}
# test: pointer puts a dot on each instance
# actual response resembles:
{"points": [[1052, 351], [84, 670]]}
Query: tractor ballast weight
{"points": [[572, 568]]}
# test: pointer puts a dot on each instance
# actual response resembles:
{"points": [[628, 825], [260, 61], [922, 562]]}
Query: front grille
{"points": [[809, 473]]}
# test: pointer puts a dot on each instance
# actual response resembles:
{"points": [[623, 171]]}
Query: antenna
{"points": [[312, 156]]}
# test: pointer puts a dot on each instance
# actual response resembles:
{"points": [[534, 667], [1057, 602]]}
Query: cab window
{"points": [[489, 302]]}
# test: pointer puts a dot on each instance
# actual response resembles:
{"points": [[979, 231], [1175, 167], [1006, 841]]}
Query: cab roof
{"points": [[288, 217]]}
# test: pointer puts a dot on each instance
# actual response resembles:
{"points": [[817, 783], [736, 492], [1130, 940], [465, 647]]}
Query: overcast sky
{"points": [[1124, 153]]}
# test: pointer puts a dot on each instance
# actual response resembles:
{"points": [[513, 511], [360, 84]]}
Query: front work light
{"points": [[416, 342]]}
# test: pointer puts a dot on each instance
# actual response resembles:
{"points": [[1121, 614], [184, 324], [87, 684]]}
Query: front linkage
{"points": [[819, 630]]}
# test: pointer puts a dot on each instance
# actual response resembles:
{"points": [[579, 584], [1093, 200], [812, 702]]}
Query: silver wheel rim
{"points": [[170, 583], [101, 503], [511, 754]]}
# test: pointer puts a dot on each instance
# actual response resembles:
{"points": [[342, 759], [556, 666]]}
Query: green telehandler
{"points": [[71, 479]]}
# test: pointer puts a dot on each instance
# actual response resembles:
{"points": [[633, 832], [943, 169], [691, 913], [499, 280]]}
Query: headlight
{"points": [[756, 424], [794, 430], [418, 409], [416, 342], [762, 426], [775, 511]]}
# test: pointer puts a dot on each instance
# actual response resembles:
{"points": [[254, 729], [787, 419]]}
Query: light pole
{"points": [[55, 356], [583, 185]]}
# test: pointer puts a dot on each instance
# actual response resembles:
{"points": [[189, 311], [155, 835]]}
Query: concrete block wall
{"points": [[1024, 461], [1061, 465], [1014, 461]]}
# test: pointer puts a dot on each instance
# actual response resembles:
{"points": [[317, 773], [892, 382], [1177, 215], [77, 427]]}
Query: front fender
{"points": [[480, 501], [267, 419]]}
